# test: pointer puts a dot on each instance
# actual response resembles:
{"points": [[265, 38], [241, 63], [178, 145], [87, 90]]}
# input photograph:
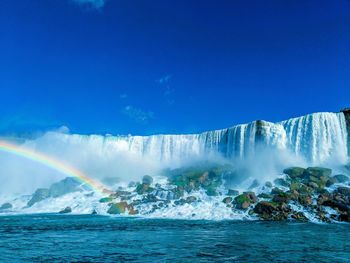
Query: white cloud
{"points": [[94, 3], [138, 114]]}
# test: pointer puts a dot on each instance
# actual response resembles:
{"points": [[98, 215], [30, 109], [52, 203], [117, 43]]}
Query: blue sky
{"points": [[159, 66]]}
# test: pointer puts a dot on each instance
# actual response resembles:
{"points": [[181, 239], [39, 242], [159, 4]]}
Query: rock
{"points": [[191, 199], [268, 184], [227, 200], [265, 195], [117, 208], [341, 178], [6, 206], [39, 195], [344, 190], [146, 179], [294, 172], [323, 198], [265, 207], [94, 212], [299, 216], [331, 181], [106, 200], [211, 191], [276, 190], [281, 198], [254, 184], [313, 185], [281, 182], [67, 185], [251, 196], [305, 199], [132, 184], [67, 210], [143, 189], [318, 172], [244, 200], [132, 210], [232, 192]]}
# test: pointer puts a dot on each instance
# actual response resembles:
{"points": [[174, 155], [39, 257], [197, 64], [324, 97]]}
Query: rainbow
{"points": [[53, 164]]}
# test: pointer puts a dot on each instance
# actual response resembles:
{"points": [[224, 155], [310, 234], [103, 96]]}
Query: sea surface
{"points": [[93, 238]]}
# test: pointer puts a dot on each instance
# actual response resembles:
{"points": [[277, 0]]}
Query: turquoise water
{"points": [[62, 238]]}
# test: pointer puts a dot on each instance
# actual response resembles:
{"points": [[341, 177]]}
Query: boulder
{"points": [[299, 216], [254, 184], [244, 200], [341, 178], [281, 198], [67, 185], [191, 199], [318, 172], [272, 211], [305, 199], [67, 210], [344, 191], [147, 179], [268, 184], [39, 195], [6, 206], [143, 189], [294, 172], [227, 200], [281, 182], [265, 196], [106, 200], [117, 208]]}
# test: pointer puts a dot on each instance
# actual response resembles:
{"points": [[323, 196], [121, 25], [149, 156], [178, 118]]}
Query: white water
{"points": [[264, 147]]}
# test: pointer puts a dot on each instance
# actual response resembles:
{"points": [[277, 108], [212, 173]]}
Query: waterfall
{"points": [[316, 138]]}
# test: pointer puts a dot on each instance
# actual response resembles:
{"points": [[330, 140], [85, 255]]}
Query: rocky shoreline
{"points": [[312, 190], [298, 194]]}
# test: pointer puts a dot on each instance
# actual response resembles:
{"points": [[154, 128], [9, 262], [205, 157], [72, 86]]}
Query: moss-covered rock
{"points": [[341, 178], [244, 200], [143, 189], [318, 172], [294, 172], [117, 208], [281, 198], [106, 199], [265, 196], [281, 182]]}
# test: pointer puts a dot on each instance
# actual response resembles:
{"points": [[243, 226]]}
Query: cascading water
{"points": [[316, 138]]}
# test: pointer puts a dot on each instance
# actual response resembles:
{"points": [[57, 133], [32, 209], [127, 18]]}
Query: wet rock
{"points": [[272, 211], [323, 198], [299, 216], [281, 198], [254, 184], [67, 210], [331, 181], [66, 186], [232, 192], [341, 178], [244, 200], [276, 190], [132, 184], [117, 208], [143, 189], [265, 195], [268, 184], [294, 172], [147, 179], [313, 185], [106, 200], [344, 190], [132, 210], [227, 200], [305, 199], [94, 212], [6, 206], [191, 199], [39, 195], [320, 173], [281, 182]]}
